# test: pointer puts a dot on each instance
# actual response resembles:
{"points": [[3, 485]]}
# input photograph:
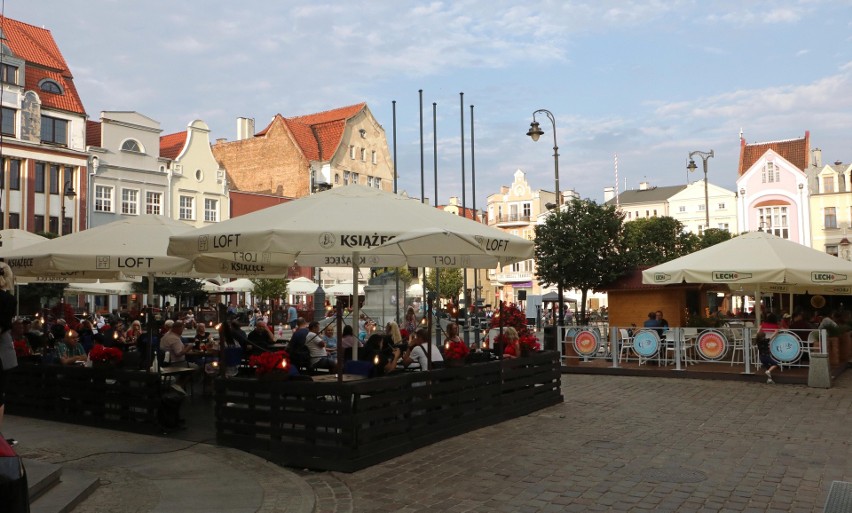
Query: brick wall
{"points": [[272, 163]]}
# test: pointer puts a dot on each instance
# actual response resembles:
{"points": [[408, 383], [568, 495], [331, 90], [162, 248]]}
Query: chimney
{"points": [[643, 186], [454, 201], [838, 162], [221, 140], [817, 157], [609, 193], [245, 128]]}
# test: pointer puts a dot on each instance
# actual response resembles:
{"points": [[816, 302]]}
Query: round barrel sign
{"points": [[586, 342], [712, 345], [646, 343], [785, 347]]}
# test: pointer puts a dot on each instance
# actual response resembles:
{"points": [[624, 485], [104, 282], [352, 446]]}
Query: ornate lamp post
{"points": [[535, 132], [692, 167], [68, 193]]}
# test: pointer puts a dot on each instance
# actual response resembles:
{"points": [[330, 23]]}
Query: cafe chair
{"points": [[626, 344]]}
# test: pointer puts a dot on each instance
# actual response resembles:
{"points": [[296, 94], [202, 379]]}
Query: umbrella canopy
{"points": [[344, 288], [415, 290], [756, 258], [330, 227], [210, 287], [240, 285], [443, 248], [121, 288], [13, 239], [132, 246], [301, 285]]}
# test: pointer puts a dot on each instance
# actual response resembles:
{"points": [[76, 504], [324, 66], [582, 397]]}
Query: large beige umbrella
{"points": [[757, 260], [14, 238], [335, 228]]}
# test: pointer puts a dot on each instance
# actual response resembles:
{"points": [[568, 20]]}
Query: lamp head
{"points": [[550, 206], [691, 166], [535, 131]]}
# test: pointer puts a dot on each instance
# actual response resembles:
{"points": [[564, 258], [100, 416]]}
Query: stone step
{"points": [[56, 490]]}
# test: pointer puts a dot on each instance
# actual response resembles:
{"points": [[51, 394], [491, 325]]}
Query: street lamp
{"points": [[535, 132], [691, 167], [70, 194]]}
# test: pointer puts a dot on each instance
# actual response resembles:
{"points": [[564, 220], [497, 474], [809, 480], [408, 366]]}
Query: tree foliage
{"points": [[713, 236], [270, 288], [451, 282], [186, 290], [581, 246], [654, 240]]}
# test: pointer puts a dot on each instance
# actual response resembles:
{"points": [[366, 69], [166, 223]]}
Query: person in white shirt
{"points": [[417, 356]]}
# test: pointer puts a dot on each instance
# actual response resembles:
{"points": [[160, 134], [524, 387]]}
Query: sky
{"points": [[649, 80]]}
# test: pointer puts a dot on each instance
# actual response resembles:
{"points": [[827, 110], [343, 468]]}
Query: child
{"points": [[766, 356]]}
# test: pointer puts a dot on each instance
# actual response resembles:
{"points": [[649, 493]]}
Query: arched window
{"points": [[131, 145], [49, 86]]}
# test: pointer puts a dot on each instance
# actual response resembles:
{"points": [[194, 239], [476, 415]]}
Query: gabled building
{"points": [[830, 205], [43, 134], [688, 206], [296, 156], [773, 188], [197, 186], [646, 201]]}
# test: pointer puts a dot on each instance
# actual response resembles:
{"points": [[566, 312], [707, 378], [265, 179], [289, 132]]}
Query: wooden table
{"points": [[332, 378]]}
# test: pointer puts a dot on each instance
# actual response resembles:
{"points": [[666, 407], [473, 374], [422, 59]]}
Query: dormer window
{"points": [[50, 86], [9, 73], [131, 145]]}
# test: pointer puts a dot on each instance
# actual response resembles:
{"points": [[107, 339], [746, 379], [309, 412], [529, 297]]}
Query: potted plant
{"points": [[529, 344], [102, 356], [455, 353], [271, 366]]}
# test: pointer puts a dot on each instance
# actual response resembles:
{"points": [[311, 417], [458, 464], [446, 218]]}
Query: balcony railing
{"points": [[511, 218]]}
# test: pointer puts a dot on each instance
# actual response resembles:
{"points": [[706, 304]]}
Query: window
{"points": [[211, 210], [828, 184], [7, 120], [375, 159], [354, 177], [9, 73], [54, 179], [701, 208], [54, 131], [53, 225], [67, 226], [38, 223], [352, 152], [199, 175], [39, 177], [629, 215], [130, 201], [363, 155], [49, 86], [721, 206], [832, 250], [103, 198], [681, 208], [346, 177], [68, 180], [647, 213], [723, 226], [377, 182], [14, 220], [830, 217], [153, 203], [131, 145], [15, 175], [186, 210], [655, 212], [336, 178], [774, 220], [527, 208]]}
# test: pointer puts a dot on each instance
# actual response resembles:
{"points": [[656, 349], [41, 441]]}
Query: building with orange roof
{"points": [[43, 145], [296, 156], [773, 188], [830, 204]]}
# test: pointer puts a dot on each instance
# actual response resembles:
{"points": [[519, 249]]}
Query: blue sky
{"points": [[648, 80]]}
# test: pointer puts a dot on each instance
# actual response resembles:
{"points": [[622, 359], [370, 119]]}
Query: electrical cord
{"points": [[136, 453]]}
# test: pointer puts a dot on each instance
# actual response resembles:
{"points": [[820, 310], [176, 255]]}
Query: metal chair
{"points": [[626, 344]]}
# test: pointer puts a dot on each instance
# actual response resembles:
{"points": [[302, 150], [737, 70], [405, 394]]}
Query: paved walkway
{"points": [[616, 444]]}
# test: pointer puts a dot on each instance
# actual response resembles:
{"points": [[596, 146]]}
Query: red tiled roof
{"points": [[318, 135], [795, 151], [44, 60], [172, 144], [468, 212], [93, 133]]}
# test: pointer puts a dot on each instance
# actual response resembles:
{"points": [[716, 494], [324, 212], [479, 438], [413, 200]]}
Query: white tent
{"points": [[121, 288], [301, 286]]}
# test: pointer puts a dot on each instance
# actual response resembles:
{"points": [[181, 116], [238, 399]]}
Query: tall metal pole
{"points": [[437, 270], [422, 192], [395, 182], [464, 214], [473, 207]]}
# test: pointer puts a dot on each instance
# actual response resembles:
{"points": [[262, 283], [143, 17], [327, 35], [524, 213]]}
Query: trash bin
{"points": [[550, 338]]}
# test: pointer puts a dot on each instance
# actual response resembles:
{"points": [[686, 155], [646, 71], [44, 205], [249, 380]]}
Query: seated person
{"points": [[417, 356], [202, 338], [70, 351], [19, 338], [316, 347], [348, 341], [87, 334], [769, 326], [330, 343], [261, 338], [381, 354], [172, 344], [131, 336]]}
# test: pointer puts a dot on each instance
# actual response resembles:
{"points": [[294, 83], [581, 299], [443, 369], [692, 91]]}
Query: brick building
{"points": [[295, 156]]}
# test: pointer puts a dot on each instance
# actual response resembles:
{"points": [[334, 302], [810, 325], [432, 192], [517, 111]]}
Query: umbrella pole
{"points": [[356, 317]]}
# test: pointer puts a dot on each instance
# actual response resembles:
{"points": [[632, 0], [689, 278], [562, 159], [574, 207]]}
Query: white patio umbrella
{"points": [[121, 288], [14, 238], [757, 260], [333, 229], [210, 287], [240, 285], [344, 288], [301, 285]]}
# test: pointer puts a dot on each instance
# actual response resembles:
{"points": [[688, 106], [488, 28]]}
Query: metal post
{"points": [[465, 293], [437, 270], [473, 207], [395, 184]]}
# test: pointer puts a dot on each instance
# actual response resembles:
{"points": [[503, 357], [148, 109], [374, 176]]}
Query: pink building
{"points": [[773, 189]]}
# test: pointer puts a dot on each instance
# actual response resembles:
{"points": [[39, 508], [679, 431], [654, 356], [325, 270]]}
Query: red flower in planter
{"points": [[266, 362], [529, 343], [456, 351], [100, 353]]}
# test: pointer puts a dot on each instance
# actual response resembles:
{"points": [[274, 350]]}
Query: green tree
{"points": [[581, 246], [654, 240], [270, 288], [451, 282], [713, 236], [187, 290]]}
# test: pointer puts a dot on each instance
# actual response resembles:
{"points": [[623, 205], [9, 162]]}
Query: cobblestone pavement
{"points": [[626, 444]]}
